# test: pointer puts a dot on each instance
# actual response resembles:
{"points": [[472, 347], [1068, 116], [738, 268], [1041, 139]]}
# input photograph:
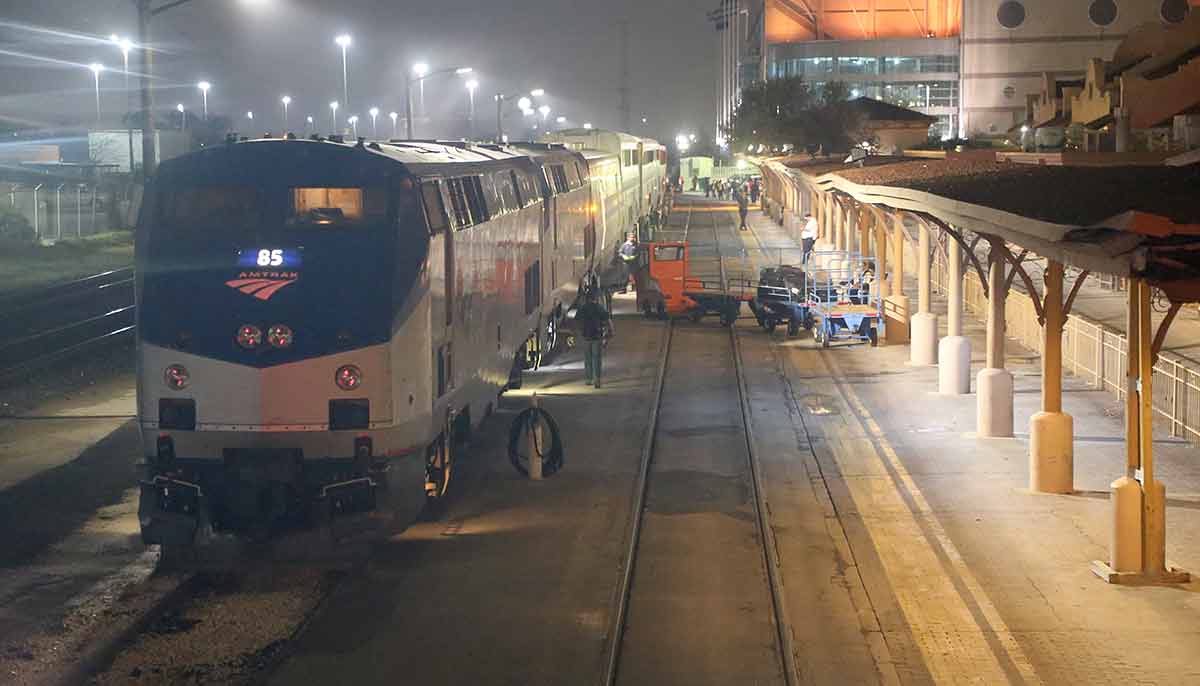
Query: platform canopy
{"points": [[1141, 222]]}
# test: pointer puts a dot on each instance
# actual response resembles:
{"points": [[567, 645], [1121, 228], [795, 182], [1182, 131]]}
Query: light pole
{"points": [[204, 86], [394, 116], [308, 124], [333, 106], [524, 104], [344, 41], [96, 68], [286, 100], [126, 45], [182, 117], [471, 86], [422, 72], [374, 112], [353, 120], [545, 110], [250, 116]]}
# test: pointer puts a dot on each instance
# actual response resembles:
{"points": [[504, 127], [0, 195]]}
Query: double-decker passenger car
{"points": [[319, 320]]}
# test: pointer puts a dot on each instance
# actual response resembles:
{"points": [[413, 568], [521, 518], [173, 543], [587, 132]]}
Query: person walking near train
{"points": [[743, 207], [808, 236], [594, 327], [629, 255]]}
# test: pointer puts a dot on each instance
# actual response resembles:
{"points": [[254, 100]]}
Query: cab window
{"points": [[336, 207]]}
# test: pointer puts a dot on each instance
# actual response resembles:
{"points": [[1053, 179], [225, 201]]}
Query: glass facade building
{"points": [[921, 74]]}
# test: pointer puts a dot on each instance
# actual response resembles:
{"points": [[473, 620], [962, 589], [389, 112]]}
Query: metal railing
{"points": [[60, 210], [1092, 351]]}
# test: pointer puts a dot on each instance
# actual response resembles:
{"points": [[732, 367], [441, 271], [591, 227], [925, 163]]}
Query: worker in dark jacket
{"points": [[594, 326], [743, 207]]}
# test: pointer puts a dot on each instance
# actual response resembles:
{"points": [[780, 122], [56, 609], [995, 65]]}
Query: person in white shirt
{"points": [[808, 236]]}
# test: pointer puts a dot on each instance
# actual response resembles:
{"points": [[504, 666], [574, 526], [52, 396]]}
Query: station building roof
{"points": [[1126, 220]]}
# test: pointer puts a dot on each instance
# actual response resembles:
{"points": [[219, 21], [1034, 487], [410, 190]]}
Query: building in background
{"points": [[113, 147], [968, 63]]}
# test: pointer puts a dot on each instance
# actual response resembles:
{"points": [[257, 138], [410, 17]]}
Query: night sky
{"points": [[254, 51]]}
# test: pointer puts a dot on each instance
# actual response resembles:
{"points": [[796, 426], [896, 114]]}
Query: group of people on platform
{"points": [[729, 189]]}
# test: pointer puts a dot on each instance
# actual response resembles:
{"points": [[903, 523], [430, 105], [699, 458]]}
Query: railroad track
{"points": [[48, 324], [625, 653]]}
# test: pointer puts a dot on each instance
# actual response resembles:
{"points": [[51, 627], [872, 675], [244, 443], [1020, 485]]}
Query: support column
{"points": [[881, 261], [824, 217], [924, 348], [895, 306], [1138, 547], [837, 261], [1052, 431], [994, 402], [954, 351]]}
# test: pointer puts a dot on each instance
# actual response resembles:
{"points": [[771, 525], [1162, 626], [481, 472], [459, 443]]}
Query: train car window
{"points": [[572, 174], [518, 192], [336, 207], [435, 210], [475, 199], [211, 208], [582, 172], [506, 191], [490, 195], [458, 202]]}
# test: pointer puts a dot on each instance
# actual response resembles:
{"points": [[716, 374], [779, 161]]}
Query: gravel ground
{"points": [[22, 394], [230, 630]]}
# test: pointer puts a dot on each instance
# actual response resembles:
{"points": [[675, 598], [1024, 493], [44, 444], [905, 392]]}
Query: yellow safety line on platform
{"points": [[904, 538], [897, 540]]}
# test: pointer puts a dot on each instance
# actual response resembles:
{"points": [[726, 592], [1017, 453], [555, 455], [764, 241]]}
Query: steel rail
{"points": [[770, 547]]}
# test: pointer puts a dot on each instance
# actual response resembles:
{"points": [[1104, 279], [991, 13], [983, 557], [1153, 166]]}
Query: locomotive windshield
{"points": [[336, 207], [201, 208]]}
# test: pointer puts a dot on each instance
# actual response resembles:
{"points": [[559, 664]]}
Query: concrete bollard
{"points": [[923, 350], [954, 365], [1125, 553], [994, 404], [1051, 452], [536, 439]]}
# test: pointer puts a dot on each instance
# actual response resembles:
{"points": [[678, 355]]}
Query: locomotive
{"points": [[321, 324]]}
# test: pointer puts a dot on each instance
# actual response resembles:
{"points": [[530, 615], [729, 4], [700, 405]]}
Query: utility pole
{"points": [[499, 118], [625, 76], [148, 156]]}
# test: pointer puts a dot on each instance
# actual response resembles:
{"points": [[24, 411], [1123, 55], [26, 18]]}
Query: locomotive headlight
{"points": [[249, 336], [280, 336], [348, 377], [176, 377]]}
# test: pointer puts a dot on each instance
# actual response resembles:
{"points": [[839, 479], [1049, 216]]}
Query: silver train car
{"points": [[321, 324]]}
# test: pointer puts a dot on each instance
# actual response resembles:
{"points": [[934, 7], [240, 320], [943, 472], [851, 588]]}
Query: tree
{"points": [[790, 112]]}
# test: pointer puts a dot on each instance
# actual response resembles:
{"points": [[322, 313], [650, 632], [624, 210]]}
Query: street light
{"points": [[308, 124], [394, 116], [471, 86], [286, 100], [587, 125], [545, 110], [182, 117], [353, 121], [250, 116], [537, 92], [561, 120], [126, 45], [420, 72], [344, 42], [525, 104], [374, 112], [204, 86], [333, 106], [96, 68]]}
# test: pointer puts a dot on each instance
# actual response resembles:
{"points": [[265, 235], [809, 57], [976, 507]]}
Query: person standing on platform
{"points": [[743, 207], [808, 236], [629, 255], [595, 327], [754, 191]]}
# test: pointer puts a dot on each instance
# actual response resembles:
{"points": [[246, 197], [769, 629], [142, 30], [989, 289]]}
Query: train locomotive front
{"points": [[282, 293]]}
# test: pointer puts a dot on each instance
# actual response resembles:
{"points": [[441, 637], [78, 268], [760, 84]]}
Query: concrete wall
{"points": [[1000, 65]]}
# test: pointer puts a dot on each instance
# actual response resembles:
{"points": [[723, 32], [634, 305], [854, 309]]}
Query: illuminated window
{"points": [[334, 207], [858, 65]]}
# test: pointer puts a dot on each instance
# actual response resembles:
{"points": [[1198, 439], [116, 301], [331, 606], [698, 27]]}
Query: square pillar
{"points": [[895, 306], [1137, 553]]}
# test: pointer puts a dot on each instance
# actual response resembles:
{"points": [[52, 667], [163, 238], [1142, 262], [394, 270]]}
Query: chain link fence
{"points": [[56, 211]]}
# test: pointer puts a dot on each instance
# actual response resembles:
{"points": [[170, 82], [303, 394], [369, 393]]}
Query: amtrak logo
{"points": [[262, 285]]}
